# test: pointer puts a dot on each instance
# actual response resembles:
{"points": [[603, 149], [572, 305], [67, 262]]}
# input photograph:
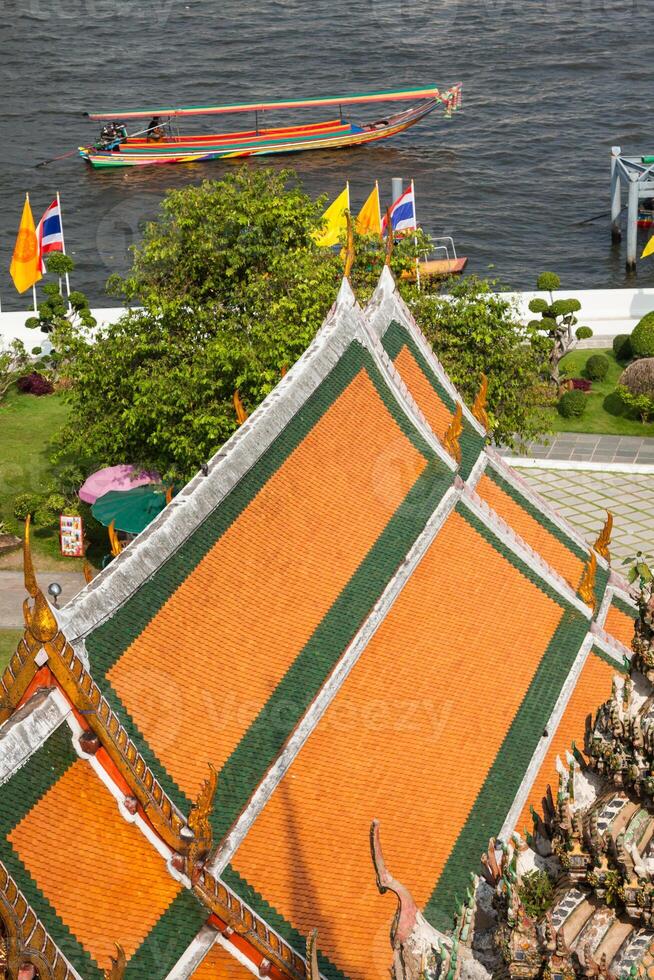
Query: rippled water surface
{"points": [[548, 88]]}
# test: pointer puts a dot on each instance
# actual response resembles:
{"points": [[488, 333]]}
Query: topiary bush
{"points": [[622, 347], [583, 333], [597, 367], [642, 337], [638, 378], [34, 384], [572, 404]]}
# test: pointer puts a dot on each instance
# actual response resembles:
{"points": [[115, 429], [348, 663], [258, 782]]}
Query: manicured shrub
{"points": [[583, 333], [638, 377], [49, 509], [597, 367], [572, 404], [34, 384], [622, 347], [641, 405], [548, 280], [26, 503], [642, 337], [581, 384]]}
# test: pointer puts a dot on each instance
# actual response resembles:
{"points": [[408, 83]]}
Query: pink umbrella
{"points": [[123, 477]]}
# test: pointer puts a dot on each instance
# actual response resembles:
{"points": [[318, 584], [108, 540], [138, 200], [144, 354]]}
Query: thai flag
{"points": [[49, 232], [403, 212]]}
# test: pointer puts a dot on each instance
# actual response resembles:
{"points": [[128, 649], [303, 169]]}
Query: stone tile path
{"points": [[583, 447], [12, 593], [583, 497]]}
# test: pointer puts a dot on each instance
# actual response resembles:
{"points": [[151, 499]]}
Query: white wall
{"points": [[606, 311], [12, 326]]}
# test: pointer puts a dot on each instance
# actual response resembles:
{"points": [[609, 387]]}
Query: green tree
{"points": [[232, 290], [558, 320], [64, 320], [474, 330], [13, 361]]}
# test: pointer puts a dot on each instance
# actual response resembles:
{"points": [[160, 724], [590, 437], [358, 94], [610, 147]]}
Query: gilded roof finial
{"points": [[313, 973], [118, 963], [389, 238], [453, 434], [349, 247], [601, 546], [241, 411], [479, 407], [39, 618], [198, 822], [116, 545], [587, 584]]}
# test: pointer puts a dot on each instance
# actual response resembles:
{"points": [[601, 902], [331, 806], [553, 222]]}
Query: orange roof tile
{"points": [[412, 733], [620, 625], [208, 661], [432, 407], [100, 873], [592, 688], [219, 964], [561, 558]]}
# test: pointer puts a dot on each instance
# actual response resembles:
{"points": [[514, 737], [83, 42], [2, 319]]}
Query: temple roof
{"points": [[357, 610]]}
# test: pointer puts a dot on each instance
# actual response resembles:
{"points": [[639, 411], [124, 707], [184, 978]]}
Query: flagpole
{"points": [[415, 237], [63, 248], [381, 232]]}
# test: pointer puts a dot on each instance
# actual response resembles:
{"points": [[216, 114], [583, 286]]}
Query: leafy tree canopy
{"points": [[473, 330], [233, 288]]}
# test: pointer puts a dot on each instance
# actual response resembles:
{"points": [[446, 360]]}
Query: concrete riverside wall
{"points": [[606, 311], [12, 326]]}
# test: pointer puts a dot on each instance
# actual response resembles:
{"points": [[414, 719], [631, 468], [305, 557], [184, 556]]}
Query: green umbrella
{"points": [[130, 510]]}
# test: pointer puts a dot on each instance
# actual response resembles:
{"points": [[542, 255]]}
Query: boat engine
{"points": [[111, 135]]}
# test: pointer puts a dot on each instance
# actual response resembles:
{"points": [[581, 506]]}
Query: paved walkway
{"points": [[583, 447], [584, 496], [12, 593]]}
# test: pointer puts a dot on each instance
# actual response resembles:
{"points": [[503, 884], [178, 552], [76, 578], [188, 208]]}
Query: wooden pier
{"points": [[637, 174]]}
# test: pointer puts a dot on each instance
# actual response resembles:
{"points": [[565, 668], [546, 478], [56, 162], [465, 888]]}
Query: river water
{"points": [[549, 86]]}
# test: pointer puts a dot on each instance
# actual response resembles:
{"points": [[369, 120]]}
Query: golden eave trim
{"points": [[27, 939]]}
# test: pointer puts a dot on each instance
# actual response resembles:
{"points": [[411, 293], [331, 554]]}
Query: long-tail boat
{"points": [[160, 142]]}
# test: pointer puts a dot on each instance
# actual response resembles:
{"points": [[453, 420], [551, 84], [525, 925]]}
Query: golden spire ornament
{"points": [[453, 434], [587, 585], [241, 411], [601, 546], [479, 407], [39, 618]]}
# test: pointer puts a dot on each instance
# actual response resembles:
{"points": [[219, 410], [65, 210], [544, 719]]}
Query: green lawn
{"points": [[605, 412], [8, 643], [27, 424]]}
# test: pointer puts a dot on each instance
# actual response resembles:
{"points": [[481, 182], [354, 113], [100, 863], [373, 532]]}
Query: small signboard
{"points": [[71, 535]]}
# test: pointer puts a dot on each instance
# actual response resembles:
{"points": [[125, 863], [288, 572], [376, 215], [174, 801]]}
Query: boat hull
{"points": [[330, 135]]}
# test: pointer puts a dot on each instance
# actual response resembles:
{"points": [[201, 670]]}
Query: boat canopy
{"points": [[205, 110]]}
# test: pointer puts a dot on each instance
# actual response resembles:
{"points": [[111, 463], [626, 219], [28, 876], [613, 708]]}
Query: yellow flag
{"points": [[649, 248], [368, 220], [335, 222], [25, 268]]}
